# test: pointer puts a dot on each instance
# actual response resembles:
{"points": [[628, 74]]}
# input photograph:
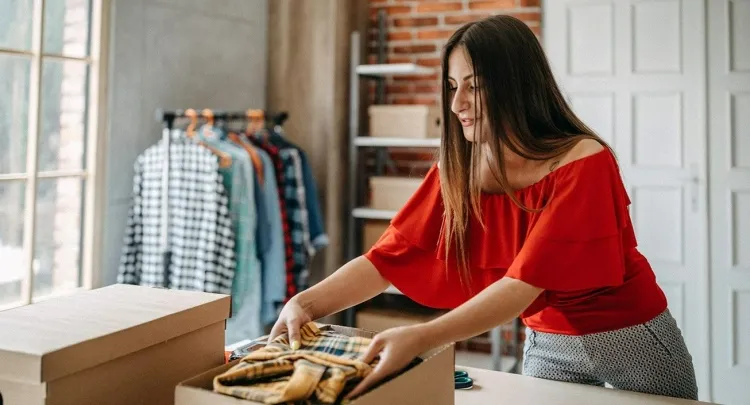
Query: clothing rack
{"points": [[167, 119]]}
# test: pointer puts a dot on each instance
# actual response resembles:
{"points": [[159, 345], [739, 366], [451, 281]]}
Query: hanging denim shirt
{"points": [[245, 321], [278, 165], [271, 250], [318, 237]]}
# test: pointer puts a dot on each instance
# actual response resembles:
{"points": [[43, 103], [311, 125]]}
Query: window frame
{"points": [[92, 172]]}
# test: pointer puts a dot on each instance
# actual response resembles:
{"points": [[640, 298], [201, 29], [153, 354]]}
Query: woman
{"points": [[524, 214]]}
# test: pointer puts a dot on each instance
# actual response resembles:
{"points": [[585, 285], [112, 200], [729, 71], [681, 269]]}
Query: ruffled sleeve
{"points": [[405, 254], [579, 240]]}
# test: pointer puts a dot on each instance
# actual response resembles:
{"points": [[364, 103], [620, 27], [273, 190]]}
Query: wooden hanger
{"points": [[250, 128], [208, 115], [224, 159], [250, 149], [193, 115], [254, 156], [255, 120]]}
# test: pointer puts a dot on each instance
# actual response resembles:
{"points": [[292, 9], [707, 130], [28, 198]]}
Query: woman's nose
{"points": [[460, 103]]}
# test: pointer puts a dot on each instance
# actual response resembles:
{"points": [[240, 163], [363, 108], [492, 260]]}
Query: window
{"points": [[49, 129]]}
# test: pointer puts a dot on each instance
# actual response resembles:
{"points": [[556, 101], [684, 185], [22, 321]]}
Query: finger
{"points": [[375, 347], [372, 379], [276, 331], [294, 336]]}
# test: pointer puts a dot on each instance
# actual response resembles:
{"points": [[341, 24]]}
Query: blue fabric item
{"points": [[262, 236], [245, 320], [272, 256], [318, 237]]}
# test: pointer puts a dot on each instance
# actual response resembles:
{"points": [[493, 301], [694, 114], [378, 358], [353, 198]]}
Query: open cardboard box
{"points": [[430, 382], [117, 345]]}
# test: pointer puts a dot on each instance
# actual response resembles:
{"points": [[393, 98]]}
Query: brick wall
{"points": [[417, 30]]}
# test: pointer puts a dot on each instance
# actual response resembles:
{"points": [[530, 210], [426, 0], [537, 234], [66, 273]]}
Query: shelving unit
{"points": [[371, 213], [378, 72], [397, 142], [392, 69], [358, 213]]}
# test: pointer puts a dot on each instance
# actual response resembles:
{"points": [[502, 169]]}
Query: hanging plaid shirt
{"points": [[296, 205], [201, 239], [326, 363]]}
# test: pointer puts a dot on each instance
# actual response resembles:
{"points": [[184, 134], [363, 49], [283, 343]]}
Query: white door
{"points": [[635, 72], [729, 134]]}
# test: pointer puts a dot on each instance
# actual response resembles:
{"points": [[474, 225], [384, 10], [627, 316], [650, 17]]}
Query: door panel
{"points": [[659, 210], [729, 126], [592, 47], [656, 37], [738, 17], [676, 297], [657, 132], [740, 129], [597, 111], [635, 71]]}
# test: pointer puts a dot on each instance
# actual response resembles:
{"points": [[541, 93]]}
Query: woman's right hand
{"points": [[355, 282], [291, 319]]}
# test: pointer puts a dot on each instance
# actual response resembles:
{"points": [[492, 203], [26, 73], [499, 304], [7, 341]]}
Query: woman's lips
{"points": [[467, 122]]}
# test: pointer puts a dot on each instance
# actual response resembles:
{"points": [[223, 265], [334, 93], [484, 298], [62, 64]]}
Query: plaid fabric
{"points": [[325, 365], [294, 194], [273, 152], [201, 238]]}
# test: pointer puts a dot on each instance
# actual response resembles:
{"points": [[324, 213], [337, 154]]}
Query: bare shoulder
{"points": [[582, 149]]}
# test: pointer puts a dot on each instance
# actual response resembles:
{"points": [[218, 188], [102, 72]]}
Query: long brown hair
{"points": [[525, 110]]}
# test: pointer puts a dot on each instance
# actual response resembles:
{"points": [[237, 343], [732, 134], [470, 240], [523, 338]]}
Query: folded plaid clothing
{"points": [[326, 363]]}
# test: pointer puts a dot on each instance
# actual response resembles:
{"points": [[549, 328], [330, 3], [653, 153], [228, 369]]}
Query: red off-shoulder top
{"points": [[581, 249]]}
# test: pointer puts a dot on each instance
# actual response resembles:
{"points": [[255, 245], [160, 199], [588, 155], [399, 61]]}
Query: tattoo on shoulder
{"points": [[553, 166]]}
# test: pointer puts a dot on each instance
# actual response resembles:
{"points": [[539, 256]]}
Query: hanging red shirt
{"points": [[580, 248]]}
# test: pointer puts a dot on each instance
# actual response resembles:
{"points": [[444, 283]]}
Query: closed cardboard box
{"points": [[404, 121], [372, 231], [391, 192], [430, 382], [117, 345], [376, 319]]}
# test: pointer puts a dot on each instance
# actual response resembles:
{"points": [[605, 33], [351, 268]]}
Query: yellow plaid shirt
{"points": [[319, 370]]}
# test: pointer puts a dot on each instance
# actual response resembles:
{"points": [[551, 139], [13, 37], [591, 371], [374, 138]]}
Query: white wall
{"points": [[173, 54]]}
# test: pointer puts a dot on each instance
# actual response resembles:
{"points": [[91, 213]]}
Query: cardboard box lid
{"points": [[58, 337]]}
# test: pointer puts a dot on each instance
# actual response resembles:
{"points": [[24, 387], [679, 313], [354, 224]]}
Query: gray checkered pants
{"points": [[650, 357]]}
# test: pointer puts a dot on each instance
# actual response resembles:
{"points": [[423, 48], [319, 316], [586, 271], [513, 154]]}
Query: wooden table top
{"points": [[497, 387]]}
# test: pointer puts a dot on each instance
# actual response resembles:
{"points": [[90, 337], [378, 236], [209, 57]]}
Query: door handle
{"points": [[694, 181]]}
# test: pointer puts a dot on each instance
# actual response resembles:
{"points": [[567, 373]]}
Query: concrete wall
{"points": [[174, 54]]}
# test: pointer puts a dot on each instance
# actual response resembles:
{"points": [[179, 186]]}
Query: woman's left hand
{"points": [[397, 347]]}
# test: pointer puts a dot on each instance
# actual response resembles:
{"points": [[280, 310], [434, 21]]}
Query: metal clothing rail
{"points": [[219, 115], [167, 119]]}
